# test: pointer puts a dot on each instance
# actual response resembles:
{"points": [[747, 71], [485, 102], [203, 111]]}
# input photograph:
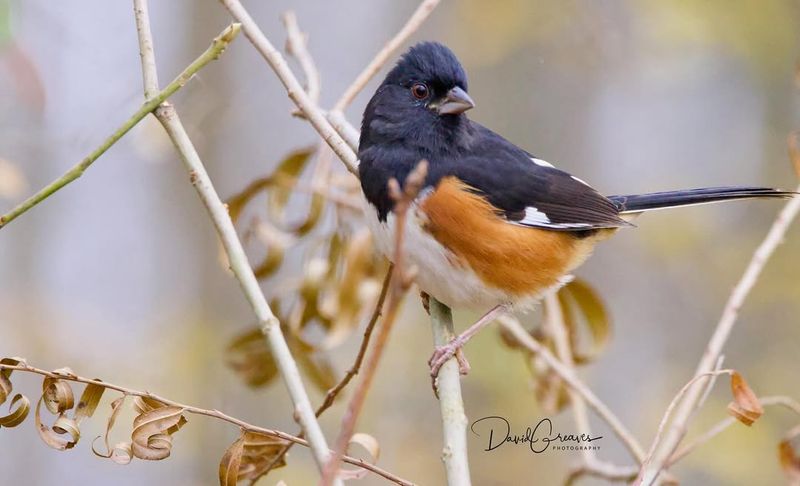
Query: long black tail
{"points": [[669, 199]]}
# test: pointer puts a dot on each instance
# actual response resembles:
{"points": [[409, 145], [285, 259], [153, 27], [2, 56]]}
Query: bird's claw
{"points": [[443, 353]]}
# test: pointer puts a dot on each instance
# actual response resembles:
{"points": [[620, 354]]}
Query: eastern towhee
{"points": [[493, 226]]}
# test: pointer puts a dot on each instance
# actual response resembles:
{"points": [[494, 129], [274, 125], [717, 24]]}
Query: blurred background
{"points": [[118, 275]]}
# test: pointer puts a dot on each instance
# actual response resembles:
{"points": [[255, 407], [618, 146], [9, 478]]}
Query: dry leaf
{"points": [[745, 406], [53, 437], [16, 415], [581, 303], [90, 399], [152, 432], [368, 443], [57, 395], [122, 452], [258, 453], [250, 357], [231, 462], [789, 455]]}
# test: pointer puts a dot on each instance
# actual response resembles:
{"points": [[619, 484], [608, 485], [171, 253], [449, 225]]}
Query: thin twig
{"points": [[398, 286], [217, 47], [601, 409], [293, 87], [558, 329], [783, 401], [451, 404], [240, 266], [600, 469], [668, 413], [297, 46], [201, 411], [331, 395], [419, 16], [666, 447]]}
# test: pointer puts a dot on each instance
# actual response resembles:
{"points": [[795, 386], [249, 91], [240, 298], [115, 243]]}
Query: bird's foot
{"points": [[443, 353]]}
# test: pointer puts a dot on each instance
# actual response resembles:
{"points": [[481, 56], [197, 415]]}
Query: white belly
{"points": [[438, 274]]}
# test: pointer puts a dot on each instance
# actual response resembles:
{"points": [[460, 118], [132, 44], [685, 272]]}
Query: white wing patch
{"points": [[534, 217], [581, 181], [542, 163]]}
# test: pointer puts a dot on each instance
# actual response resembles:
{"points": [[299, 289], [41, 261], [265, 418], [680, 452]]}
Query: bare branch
{"points": [[451, 404], [295, 90], [783, 401], [297, 46], [240, 266], [217, 47], [200, 411], [665, 448]]}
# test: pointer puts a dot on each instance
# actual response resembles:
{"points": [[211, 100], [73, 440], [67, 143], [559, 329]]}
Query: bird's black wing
{"points": [[529, 191]]}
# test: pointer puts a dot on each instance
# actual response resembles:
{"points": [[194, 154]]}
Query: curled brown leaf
{"points": [[122, 452], [745, 407], [152, 432], [789, 455], [369, 444], [231, 462], [16, 415]]}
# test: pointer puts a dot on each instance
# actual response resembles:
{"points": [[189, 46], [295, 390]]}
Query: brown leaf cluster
{"points": [[339, 282]]}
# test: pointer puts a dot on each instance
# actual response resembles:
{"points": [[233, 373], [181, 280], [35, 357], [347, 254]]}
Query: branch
{"points": [[665, 448], [783, 401], [213, 52], [451, 405], [199, 411], [419, 16], [399, 284], [295, 90], [297, 46], [240, 266], [600, 408]]}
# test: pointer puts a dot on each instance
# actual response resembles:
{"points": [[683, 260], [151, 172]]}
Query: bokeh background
{"points": [[117, 275]]}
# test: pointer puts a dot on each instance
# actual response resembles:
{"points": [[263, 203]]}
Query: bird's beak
{"points": [[456, 101]]}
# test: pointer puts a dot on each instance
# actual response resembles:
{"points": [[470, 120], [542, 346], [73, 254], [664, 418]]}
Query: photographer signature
{"points": [[538, 438]]}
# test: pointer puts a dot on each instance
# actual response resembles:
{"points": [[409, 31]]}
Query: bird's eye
{"points": [[420, 91]]}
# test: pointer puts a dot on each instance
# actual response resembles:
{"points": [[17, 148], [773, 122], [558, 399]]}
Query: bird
{"points": [[493, 226]]}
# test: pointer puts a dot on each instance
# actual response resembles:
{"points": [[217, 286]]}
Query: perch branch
{"points": [[664, 448], [217, 47], [451, 405], [200, 411], [239, 264], [400, 282]]}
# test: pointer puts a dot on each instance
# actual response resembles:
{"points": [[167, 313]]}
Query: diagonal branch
{"points": [[239, 264], [217, 47]]}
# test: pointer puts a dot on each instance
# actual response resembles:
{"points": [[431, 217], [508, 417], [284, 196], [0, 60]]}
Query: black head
{"points": [[421, 102]]}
